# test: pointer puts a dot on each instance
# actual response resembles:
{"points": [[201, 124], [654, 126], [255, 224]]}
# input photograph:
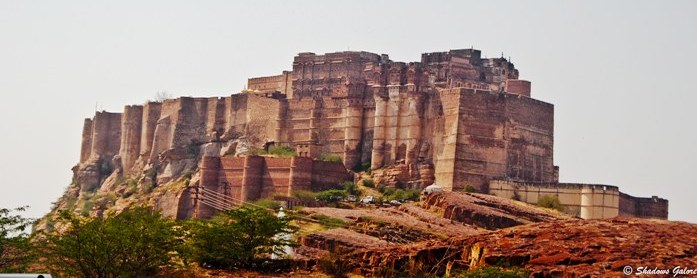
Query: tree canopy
{"points": [[134, 243]]}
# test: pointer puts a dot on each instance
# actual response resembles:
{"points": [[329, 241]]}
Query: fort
{"points": [[453, 118]]}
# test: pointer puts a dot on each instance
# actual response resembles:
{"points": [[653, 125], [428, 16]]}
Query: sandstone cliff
{"points": [[149, 154]]}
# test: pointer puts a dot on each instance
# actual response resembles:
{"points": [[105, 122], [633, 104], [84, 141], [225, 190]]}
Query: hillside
{"points": [[450, 233]]}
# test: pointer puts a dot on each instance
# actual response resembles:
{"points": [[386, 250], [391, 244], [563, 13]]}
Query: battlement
{"points": [[472, 55], [338, 56], [336, 74]]}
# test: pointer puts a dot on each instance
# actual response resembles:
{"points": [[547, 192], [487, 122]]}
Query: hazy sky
{"points": [[620, 73]]}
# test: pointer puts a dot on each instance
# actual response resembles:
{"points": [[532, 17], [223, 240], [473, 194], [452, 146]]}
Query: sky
{"points": [[619, 73]]}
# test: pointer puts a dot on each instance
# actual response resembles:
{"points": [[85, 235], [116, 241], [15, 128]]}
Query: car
{"points": [[395, 203], [368, 199]]}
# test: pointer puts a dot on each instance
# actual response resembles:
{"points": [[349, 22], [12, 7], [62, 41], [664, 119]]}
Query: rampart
{"points": [[652, 207], [254, 177], [588, 201], [453, 118]]}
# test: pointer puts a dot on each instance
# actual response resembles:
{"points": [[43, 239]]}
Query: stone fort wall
{"points": [[369, 109], [253, 177], [588, 201], [453, 117]]}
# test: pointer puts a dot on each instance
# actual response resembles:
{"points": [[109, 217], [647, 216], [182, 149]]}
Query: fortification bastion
{"points": [[454, 118]]}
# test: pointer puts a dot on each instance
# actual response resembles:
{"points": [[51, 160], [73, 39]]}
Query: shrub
{"points": [[267, 203], [351, 188], [469, 188], [282, 151], [330, 157], [134, 243], [548, 201], [131, 188], [390, 194], [368, 183], [239, 238], [70, 202], [332, 195], [330, 222], [87, 206], [495, 272], [304, 195]]}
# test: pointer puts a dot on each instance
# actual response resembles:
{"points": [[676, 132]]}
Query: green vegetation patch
{"points": [[330, 222], [551, 202], [330, 157]]}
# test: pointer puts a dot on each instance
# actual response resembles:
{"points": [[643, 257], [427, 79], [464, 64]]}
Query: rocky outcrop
{"points": [[440, 217], [562, 248], [416, 176], [486, 211], [477, 230]]}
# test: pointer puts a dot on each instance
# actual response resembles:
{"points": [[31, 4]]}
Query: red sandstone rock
{"points": [[489, 212], [561, 248]]}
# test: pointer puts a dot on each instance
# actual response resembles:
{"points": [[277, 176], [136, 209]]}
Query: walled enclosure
{"points": [[588, 201], [453, 117]]}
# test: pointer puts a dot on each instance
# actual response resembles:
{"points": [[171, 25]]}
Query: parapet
{"points": [[518, 87], [587, 201], [643, 207]]}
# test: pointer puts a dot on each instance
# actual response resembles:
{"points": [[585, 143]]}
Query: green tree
{"points": [[243, 237], [332, 195], [368, 183], [16, 251], [135, 243]]}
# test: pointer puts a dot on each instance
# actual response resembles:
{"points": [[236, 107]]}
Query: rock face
{"points": [[476, 230], [439, 218], [566, 248], [486, 211]]}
